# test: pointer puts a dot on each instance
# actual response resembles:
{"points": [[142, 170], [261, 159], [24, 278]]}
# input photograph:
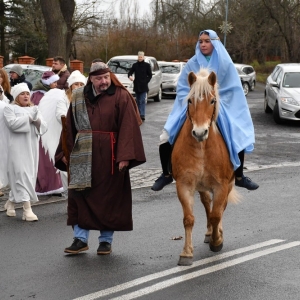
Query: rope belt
{"points": [[112, 142]]}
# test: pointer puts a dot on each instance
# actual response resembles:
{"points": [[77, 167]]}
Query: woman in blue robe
{"points": [[234, 119]]}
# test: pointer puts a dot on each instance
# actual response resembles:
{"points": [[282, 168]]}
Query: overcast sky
{"points": [[144, 5]]}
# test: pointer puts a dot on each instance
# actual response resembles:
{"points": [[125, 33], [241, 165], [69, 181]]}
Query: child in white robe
{"points": [[25, 124]]}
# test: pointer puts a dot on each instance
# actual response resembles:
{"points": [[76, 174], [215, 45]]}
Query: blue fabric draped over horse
{"points": [[234, 119]]}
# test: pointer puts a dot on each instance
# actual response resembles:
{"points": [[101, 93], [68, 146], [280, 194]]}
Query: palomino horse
{"points": [[200, 162]]}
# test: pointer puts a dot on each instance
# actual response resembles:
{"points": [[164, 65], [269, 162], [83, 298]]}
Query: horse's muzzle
{"points": [[200, 135]]}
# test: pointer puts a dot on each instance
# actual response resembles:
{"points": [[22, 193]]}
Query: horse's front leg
{"points": [[219, 204], [206, 201], [186, 197]]}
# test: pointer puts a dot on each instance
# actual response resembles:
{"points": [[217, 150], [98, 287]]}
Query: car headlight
{"points": [[289, 100]]}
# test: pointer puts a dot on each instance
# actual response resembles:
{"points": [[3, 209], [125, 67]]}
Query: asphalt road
{"points": [[260, 258]]}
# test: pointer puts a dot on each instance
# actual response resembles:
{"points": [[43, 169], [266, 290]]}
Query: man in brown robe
{"points": [[104, 139]]}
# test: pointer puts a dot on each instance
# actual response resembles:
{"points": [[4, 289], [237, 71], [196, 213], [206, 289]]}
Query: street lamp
{"points": [[226, 27]]}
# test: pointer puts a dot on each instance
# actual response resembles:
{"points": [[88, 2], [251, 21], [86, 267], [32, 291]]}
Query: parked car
{"points": [[282, 92], [33, 73], [170, 74], [120, 66], [248, 77]]}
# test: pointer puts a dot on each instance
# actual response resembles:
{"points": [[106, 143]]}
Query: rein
{"points": [[213, 114]]}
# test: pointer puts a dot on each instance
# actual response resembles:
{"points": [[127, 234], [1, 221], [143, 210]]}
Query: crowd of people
{"points": [[69, 132]]}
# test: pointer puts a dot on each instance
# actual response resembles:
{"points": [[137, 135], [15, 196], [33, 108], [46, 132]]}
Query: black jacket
{"points": [[20, 80], [142, 75]]}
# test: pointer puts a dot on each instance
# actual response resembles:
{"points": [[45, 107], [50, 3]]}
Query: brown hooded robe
{"points": [[107, 205]]}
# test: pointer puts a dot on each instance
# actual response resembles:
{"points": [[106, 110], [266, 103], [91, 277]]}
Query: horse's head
{"points": [[203, 103]]}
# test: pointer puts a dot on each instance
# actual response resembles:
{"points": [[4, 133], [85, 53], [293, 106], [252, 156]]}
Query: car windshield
{"points": [[291, 80], [121, 66], [170, 69]]}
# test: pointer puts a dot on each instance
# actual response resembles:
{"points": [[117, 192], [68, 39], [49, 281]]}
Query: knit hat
{"points": [[17, 89], [76, 76], [17, 69], [49, 77]]}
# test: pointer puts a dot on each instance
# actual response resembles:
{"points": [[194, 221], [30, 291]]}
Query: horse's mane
{"points": [[201, 89]]}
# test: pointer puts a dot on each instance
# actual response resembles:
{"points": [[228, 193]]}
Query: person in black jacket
{"points": [[17, 76], [142, 75]]}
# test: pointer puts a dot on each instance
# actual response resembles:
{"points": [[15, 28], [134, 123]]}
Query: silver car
{"points": [[170, 74], [33, 73], [282, 93], [120, 66], [247, 75]]}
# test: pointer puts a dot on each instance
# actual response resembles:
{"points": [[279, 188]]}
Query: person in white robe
{"points": [[25, 124], [53, 106], [3, 176]]}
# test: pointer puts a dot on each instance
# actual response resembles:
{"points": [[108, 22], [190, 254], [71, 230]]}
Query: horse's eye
{"points": [[189, 101], [213, 101]]}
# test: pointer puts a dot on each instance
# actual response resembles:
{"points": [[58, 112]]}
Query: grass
{"points": [[263, 70]]}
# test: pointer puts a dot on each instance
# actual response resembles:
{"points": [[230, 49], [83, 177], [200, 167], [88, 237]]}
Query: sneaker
{"points": [[143, 118], [161, 182], [247, 183], [104, 248], [77, 246]]}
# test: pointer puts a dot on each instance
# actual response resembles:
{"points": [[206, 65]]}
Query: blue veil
{"points": [[234, 119]]}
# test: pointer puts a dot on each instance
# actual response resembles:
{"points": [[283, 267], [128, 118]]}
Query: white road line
{"points": [[151, 277], [221, 266]]}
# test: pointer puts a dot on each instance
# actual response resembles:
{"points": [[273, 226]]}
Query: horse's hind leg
{"points": [[187, 202], [206, 201], [219, 205]]}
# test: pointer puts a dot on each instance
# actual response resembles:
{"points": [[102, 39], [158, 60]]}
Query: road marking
{"points": [[174, 270], [221, 266]]}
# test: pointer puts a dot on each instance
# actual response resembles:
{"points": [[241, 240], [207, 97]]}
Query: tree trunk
{"points": [[58, 16], [2, 29]]}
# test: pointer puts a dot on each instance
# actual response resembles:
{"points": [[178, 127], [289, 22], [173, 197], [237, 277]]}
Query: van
{"points": [[120, 66]]}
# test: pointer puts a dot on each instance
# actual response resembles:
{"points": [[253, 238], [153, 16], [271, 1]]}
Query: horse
{"points": [[200, 162]]}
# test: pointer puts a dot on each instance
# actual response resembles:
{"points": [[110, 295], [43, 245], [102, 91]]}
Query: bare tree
{"points": [[58, 17]]}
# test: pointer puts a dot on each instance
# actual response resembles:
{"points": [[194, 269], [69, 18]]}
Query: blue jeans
{"points": [[140, 99], [83, 235]]}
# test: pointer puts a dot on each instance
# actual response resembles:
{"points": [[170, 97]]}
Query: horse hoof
{"points": [[185, 261], [216, 248], [207, 239]]}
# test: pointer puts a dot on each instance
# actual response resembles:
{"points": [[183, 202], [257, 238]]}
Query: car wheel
{"points": [[245, 88], [158, 97], [252, 86], [266, 106], [276, 115]]}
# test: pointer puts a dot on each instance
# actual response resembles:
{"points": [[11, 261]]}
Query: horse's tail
{"points": [[234, 196]]}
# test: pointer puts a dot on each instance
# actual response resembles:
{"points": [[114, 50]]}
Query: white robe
{"points": [[23, 152], [4, 135], [53, 105]]}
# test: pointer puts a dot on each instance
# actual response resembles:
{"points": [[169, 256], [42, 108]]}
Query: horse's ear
{"points": [[212, 79], [192, 78]]}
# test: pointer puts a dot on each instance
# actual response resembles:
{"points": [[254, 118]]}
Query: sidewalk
{"points": [[140, 178]]}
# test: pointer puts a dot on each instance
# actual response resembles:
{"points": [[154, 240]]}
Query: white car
{"points": [[120, 66], [282, 93], [170, 74]]}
